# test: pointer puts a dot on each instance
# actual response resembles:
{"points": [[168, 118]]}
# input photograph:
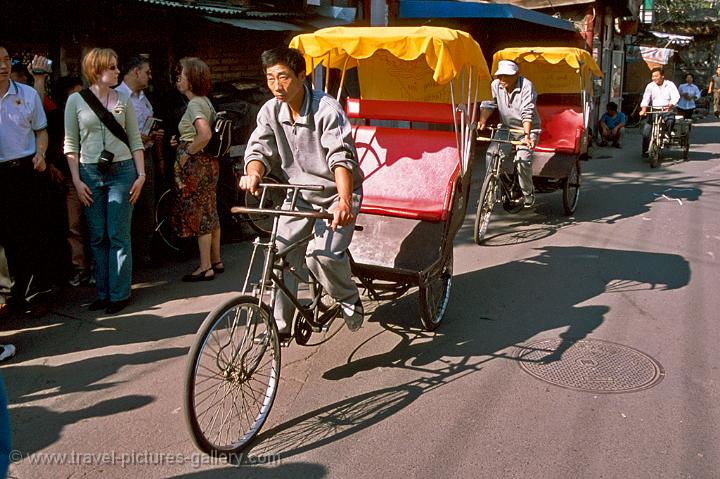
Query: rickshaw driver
{"points": [[515, 98], [307, 134], [660, 93]]}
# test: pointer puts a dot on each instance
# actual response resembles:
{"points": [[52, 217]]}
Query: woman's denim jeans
{"points": [[108, 219]]}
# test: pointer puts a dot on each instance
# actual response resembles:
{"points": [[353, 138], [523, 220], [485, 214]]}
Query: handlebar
{"points": [[280, 212], [503, 128], [236, 210]]}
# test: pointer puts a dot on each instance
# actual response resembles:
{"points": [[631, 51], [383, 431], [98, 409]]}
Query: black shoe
{"points": [[617, 145], [645, 155], [116, 306], [218, 269], [201, 276], [99, 304]]}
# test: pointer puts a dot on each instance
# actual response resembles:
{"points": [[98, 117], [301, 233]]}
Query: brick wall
{"points": [[234, 53]]}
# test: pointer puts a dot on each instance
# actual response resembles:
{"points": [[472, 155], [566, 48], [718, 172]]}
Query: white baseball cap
{"points": [[506, 67]]}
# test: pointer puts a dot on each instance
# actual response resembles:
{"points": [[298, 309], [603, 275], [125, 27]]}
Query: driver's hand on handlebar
{"points": [[250, 182], [529, 142], [342, 213]]}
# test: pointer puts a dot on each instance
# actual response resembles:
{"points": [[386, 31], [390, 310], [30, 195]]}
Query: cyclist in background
{"points": [[514, 97], [659, 93]]}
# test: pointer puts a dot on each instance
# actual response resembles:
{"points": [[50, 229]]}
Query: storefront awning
{"points": [[447, 9]]}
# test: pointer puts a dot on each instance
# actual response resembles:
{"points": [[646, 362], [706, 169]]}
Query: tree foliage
{"points": [[678, 11]]}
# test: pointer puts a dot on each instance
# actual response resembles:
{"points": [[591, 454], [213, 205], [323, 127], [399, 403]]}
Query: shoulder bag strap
{"points": [[105, 116]]}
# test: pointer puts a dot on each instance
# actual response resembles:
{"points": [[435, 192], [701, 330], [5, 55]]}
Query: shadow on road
{"points": [[484, 319], [295, 470], [35, 428], [37, 382]]}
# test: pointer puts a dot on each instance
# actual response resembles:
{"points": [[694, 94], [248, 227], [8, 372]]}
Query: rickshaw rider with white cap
{"points": [[514, 97]]}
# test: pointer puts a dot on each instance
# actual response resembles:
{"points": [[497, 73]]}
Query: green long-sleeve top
{"points": [[87, 135]]}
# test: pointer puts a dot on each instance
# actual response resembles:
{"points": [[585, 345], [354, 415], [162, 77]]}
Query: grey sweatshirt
{"points": [[309, 149], [517, 106]]}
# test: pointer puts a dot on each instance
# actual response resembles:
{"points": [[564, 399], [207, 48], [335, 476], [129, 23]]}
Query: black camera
{"points": [[105, 160]]}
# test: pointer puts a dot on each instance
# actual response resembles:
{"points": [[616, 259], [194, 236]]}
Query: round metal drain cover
{"points": [[590, 365]]}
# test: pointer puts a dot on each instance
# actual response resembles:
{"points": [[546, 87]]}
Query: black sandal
{"points": [[218, 269], [201, 276]]}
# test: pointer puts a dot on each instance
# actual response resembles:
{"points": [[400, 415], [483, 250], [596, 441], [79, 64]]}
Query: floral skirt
{"points": [[195, 212]]}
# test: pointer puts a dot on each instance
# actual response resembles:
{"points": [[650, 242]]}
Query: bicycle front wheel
{"points": [[488, 194], [232, 376]]}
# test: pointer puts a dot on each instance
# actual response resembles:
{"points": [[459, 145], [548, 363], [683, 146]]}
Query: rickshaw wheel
{"points": [[435, 296], [232, 376], [485, 208], [571, 189]]}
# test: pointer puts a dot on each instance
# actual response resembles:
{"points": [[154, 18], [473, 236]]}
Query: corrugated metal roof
{"points": [[219, 8]]}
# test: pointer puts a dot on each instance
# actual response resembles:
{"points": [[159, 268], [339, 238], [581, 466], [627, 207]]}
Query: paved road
{"points": [[633, 276]]}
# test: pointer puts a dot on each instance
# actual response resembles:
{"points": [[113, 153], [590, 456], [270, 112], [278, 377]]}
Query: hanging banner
{"points": [[660, 56]]}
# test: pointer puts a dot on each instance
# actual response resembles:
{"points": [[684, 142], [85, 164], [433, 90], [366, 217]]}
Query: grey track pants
{"points": [[326, 256]]}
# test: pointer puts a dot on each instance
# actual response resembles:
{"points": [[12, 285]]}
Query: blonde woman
{"points": [[197, 173], [107, 189]]}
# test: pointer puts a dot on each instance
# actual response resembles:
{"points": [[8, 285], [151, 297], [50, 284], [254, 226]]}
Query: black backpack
{"points": [[221, 129], [221, 140]]}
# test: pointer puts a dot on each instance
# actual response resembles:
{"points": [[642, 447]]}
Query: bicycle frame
{"points": [[276, 262], [496, 165]]}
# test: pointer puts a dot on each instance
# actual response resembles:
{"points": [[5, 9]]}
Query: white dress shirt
{"points": [[659, 96], [143, 108]]}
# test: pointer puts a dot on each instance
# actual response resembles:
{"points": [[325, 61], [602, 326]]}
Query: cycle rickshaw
{"points": [[563, 80], [414, 127], [660, 138]]}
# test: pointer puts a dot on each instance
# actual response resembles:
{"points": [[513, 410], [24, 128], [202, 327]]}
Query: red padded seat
{"points": [[562, 128], [408, 173], [399, 110]]}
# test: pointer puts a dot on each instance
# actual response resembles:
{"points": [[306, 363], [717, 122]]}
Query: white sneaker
{"points": [[7, 351], [354, 314]]}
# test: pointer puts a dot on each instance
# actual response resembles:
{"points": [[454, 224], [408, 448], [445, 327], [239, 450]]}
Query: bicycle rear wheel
{"points": [[232, 376], [274, 198], [163, 226]]}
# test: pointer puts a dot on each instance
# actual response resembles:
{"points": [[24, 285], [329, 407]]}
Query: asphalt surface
{"points": [[634, 269]]}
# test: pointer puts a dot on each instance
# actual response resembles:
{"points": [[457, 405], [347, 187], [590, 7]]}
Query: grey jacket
{"points": [[517, 106], [308, 150]]}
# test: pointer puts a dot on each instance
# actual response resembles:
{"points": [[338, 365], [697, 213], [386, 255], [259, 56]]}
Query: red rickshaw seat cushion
{"points": [[562, 128], [409, 173], [399, 110]]}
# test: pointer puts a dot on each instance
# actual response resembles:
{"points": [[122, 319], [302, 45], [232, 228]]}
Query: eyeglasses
{"points": [[112, 67]]}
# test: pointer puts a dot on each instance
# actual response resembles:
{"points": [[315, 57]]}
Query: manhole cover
{"points": [[590, 365]]}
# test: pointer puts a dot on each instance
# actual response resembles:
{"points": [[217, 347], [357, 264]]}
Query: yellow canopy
{"points": [[397, 63], [553, 69]]}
